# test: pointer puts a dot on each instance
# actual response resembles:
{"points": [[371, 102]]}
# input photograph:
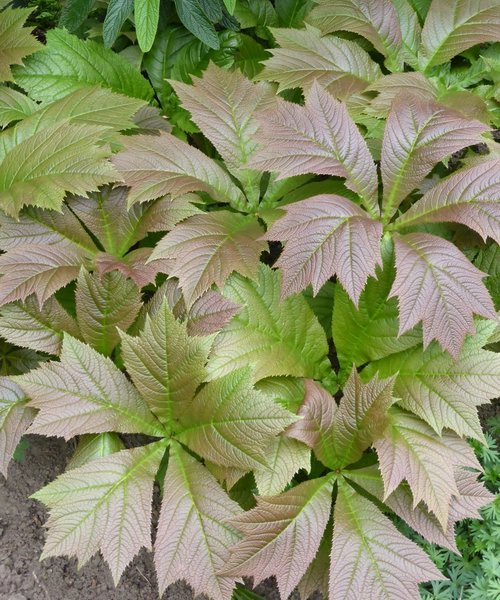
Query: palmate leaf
{"points": [[340, 66], [210, 313], [62, 158], [443, 391], [222, 104], [282, 534], [68, 63], [85, 393], [273, 337], [103, 306], [230, 423], [194, 536], [15, 418], [339, 434], [93, 446], [103, 505], [376, 20], [26, 324], [16, 41], [452, 26], [153, 166], [370, 557], [411, 450], [321, 138], [326, 235], [431, 132], [315, 579], [208, 247], [165, 364], [469, 197], [135, 265], [437, 285]]}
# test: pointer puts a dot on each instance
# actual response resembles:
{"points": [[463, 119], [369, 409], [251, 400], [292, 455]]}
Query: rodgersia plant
{"points": [[287, 407]]}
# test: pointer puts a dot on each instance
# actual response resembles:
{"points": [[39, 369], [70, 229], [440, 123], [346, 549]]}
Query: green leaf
{"points": [[103, 505], [26, 324], [74, 13], [273, 337], [67, 63], [61, 158], [116, 15], [230, 423], [230, 5], [194, 19], [291, 13], [15, 418], [165, 364], [443, 391], [14, 106], [85, 393], [194, 537], [255, 13], [147, 14], [16, 41], [93, 446], [105, 305]]}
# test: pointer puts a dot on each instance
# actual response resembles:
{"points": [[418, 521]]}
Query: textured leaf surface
{"points": [[443, 391], [231, 424], [39, 270], [16, 41], [321, 138], [415, 85], [93, 446], [146, 15], [104, 505], [135, 266], [326, 235], [411, 450], [470, 197], [153, 166], [437, 285], [418, 134], [315, 579], [208, 247], [340, 66], [59, 159], [68, 63], [210, 313], [376, 20], [165, 364], [452, 26], [26, 324], [370, 557], [222, 103], [273, 337], [104, 305], [15, 418], [285, 457], [282, 534], [14, 106], [85, 393], [194, 537]]}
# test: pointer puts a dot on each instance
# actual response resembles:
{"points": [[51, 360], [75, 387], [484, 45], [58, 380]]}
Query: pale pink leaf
{"points": [[210, 313], [135, 265], [415, 85]]}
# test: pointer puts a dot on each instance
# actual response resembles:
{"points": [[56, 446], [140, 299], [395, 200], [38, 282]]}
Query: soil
{"points": [[23, 577]]}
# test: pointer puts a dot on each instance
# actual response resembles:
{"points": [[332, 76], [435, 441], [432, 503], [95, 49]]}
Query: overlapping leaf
{"points": [[68, 63], [208, 247], [231, 424], [85, 393], [437, 285], [194, 537], [340, 66], [282, 534], [104, 305], [166, 365], [370, 557], [273, 337], [93, 446], [418, 134], [15, 418], [16, 41], [321, 138], [26, 324], [153, 166], [14, 106], [104, 505], [452, 26], [411, 450], [327, 235], [470, 197]]}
